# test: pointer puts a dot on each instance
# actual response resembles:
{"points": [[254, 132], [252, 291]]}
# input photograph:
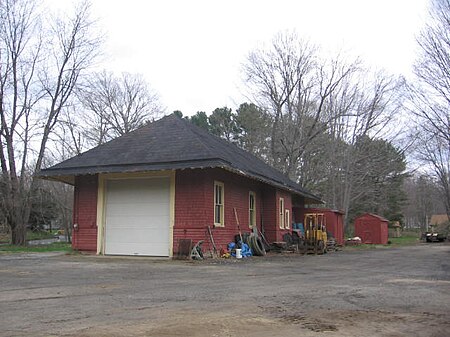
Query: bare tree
{"points": [[117, 105], [294, 84], [326, 115], [434, 150], [355, 156], [431, 98], [37, 79], [63, 199], [424, 200], [374, 104]]}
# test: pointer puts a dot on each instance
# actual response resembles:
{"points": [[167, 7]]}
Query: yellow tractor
{"points": [[315, 233]]}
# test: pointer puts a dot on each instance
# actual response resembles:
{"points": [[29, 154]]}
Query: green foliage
{"points": [[321, 168], [248, 127], [200, 119], [222, 123], [178, 113], [253, 129], [380, 171]]}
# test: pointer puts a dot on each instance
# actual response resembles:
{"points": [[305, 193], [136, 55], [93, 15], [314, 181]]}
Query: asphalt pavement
{"points": [[372, 292]]}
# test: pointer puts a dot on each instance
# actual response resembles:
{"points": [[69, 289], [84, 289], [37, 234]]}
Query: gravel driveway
{"points": [[373, 292]]}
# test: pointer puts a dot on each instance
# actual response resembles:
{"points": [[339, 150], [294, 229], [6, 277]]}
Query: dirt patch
{"points": [[333, 324], [310, 323]]}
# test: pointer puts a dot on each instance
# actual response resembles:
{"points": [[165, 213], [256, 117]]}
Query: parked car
{"points": [[434, 237]]}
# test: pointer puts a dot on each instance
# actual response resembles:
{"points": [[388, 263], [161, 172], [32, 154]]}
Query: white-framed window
{"points": [[251, 209], [281, 213], [219, 204], [287, 219]]}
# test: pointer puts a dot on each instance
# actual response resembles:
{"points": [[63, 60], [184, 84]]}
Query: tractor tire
{"points": [[320, 248], [302, 247], [257, 246]]}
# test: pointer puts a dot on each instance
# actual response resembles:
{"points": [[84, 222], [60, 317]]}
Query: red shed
{"points": [[333, 220], [372, 229]]}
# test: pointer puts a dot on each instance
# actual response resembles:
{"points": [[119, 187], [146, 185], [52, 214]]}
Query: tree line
{"points": [[374, 178], [335, 126]]}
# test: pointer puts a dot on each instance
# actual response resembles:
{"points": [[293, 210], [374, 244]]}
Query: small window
{"points": [[251, 209], [287, 220], [281, 213], [218, 204]]}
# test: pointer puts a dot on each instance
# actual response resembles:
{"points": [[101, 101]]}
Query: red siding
{"points": [[191, 214], [269, 220], [337, 227], [333, 220], [85, 213], [371, 229], [272, 227], [194, 206]]}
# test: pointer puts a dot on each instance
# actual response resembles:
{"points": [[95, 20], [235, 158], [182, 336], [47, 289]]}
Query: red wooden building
{"points": [[333, 220], [141, 193], [372, 229]]}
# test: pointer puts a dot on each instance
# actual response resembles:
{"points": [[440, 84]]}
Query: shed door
{"points": [[137, 217], [367, 237]]}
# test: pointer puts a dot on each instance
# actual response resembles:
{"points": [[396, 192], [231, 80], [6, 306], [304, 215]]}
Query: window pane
{"points": [[217, 214], [218, 194], [281, 213], [218, 203]]}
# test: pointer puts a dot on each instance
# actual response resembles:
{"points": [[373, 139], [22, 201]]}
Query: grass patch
{"points": [[53, 247], [394, 242], [364, 247], [40, 235], [405, 240]]}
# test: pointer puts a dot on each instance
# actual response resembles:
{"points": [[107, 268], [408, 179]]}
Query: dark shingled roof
{"points": [[167, 144]]}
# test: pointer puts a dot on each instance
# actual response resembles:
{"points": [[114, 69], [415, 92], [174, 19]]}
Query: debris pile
{"points": [[355, 241]]}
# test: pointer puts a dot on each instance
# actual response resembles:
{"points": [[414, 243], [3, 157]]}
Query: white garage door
{"points": [[137, 217]]}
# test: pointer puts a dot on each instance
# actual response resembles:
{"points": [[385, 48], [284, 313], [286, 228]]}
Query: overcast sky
{"points": [[191, 51]]}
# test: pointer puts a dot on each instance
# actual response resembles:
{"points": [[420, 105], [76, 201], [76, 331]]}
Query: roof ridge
{"points": [[195, 128], [243, 153], [192, 129], [376, 216]]}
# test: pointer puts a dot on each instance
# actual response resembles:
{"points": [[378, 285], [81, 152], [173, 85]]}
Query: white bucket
{"points": [[238, 254]]}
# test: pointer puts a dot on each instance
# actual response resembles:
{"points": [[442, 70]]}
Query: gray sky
{"points": [[191, 51]]}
